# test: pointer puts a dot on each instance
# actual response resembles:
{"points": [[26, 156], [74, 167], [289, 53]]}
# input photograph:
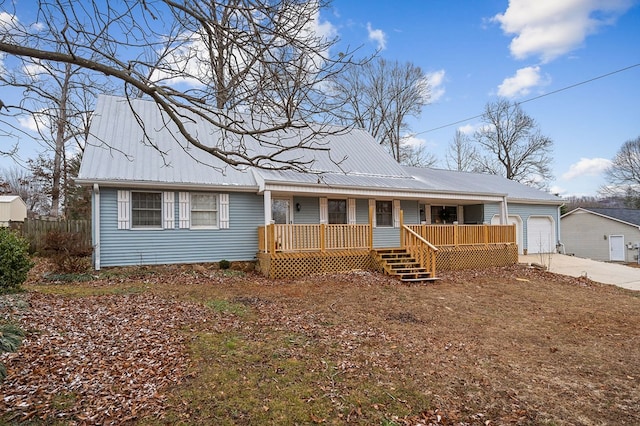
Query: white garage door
{"points": [[541, 236], [512, 220]]}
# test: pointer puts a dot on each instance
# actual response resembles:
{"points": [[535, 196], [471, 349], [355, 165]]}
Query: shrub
{"points": [[224, 264], [67, 251], [10, 339], [14, 260]]}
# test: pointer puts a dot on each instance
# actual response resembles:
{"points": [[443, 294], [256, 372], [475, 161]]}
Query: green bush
{"points": [[224, 264], [14, 260], [10, 339]]}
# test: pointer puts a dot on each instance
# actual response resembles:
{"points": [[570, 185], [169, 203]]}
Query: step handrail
{"points": [[421, 249], [422, 240]]}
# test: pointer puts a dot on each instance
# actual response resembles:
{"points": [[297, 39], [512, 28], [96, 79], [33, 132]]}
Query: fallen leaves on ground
{"points": [[510, 345], [97, 359]]}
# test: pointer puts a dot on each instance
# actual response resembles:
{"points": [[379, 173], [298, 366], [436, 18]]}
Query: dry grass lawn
{"points": [[501, 346]]}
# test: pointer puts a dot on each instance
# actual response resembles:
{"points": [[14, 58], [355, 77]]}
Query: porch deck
{"points": [[297, 250]]}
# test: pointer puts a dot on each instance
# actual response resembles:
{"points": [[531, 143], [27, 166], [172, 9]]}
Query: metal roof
{"points": [[480, 183], [117, 152]]}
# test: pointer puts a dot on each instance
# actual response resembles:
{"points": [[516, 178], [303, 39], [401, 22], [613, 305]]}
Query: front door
{"points": [[281, 210], [616, 248]]}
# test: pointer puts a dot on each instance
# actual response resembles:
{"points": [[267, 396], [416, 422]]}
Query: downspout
{"points": [[95, 226], [504, 211], [559, 244]]}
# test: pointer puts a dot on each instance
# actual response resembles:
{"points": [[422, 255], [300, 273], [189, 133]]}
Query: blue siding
{"points": [[411, 211], [163, 246], [362, 211], [525, 211], [309, 210], [386, 237]]}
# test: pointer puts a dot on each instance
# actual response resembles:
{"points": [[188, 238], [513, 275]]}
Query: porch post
{"points": [[504, 212], [370, 228], [267, 218], [401, 230]]}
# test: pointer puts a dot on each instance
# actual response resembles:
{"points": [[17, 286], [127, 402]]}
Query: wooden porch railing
{"points": [[457, 235], [422, 250], [297, 238]]}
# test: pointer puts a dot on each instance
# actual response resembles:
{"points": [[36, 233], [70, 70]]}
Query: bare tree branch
{"points": [[253, 68], [512, 146], [379, 96], [623, 176], [461, 154]]}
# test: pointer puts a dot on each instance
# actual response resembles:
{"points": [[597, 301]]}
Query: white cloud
{"points": [[378, 36], [551, 28], [555, 189], [411, 140], [522, 82], [587, 167], [190, 64], [28, 122], [436, 84], [467, 129], [7, 22]]}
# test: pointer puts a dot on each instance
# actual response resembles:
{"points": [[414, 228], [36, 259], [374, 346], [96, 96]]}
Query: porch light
{"points": [[298, 206]]}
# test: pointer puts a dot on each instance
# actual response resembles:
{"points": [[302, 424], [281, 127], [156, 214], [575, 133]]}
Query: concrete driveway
{"points": [[602, 272]]}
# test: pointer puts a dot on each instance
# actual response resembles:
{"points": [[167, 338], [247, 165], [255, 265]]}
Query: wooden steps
{"points": [[397, 262]]}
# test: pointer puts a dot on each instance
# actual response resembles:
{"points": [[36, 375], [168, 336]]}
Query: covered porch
{"points": [[290, 250]]}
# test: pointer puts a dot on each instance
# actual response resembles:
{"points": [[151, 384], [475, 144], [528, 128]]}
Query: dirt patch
{"points": [[188, 345]]}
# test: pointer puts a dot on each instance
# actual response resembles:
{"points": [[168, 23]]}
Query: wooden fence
{"points": [[35, 230]]}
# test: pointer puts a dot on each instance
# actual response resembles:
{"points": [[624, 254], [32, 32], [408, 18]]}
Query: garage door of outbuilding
{"points": [[541, 235]]}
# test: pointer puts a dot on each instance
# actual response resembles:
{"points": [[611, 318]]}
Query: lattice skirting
{"points": [[289, 265], [475, 256]]}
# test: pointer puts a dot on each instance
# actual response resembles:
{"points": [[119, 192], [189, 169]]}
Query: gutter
{"points": [[166, 185]]}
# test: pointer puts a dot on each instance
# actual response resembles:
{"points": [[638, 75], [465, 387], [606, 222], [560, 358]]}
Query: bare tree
{"points": [[623, 176], [461, 154], [252, 68], [379, 96], [512, 146], [416, 156], [60, 99], [20, 182]]}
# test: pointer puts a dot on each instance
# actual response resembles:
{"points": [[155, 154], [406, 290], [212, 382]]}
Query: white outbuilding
{"points": [[12, 209]]}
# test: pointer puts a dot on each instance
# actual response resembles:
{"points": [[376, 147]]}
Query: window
{"points": [[146, 210], [204, 210], [444, 214], [337, 211], [384, 213], [281, 210]]}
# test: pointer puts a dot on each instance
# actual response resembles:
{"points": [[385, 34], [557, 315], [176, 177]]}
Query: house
{"points": [[607, 234], [12, 209], [534, 213], [156, 200]]}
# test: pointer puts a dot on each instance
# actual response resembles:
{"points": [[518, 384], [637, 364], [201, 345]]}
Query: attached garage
{"points": [[513, 220], [541, 235]]}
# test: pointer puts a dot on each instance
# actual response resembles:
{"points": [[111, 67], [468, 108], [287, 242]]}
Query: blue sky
{"points": [[519, 49], [475, 51]]}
